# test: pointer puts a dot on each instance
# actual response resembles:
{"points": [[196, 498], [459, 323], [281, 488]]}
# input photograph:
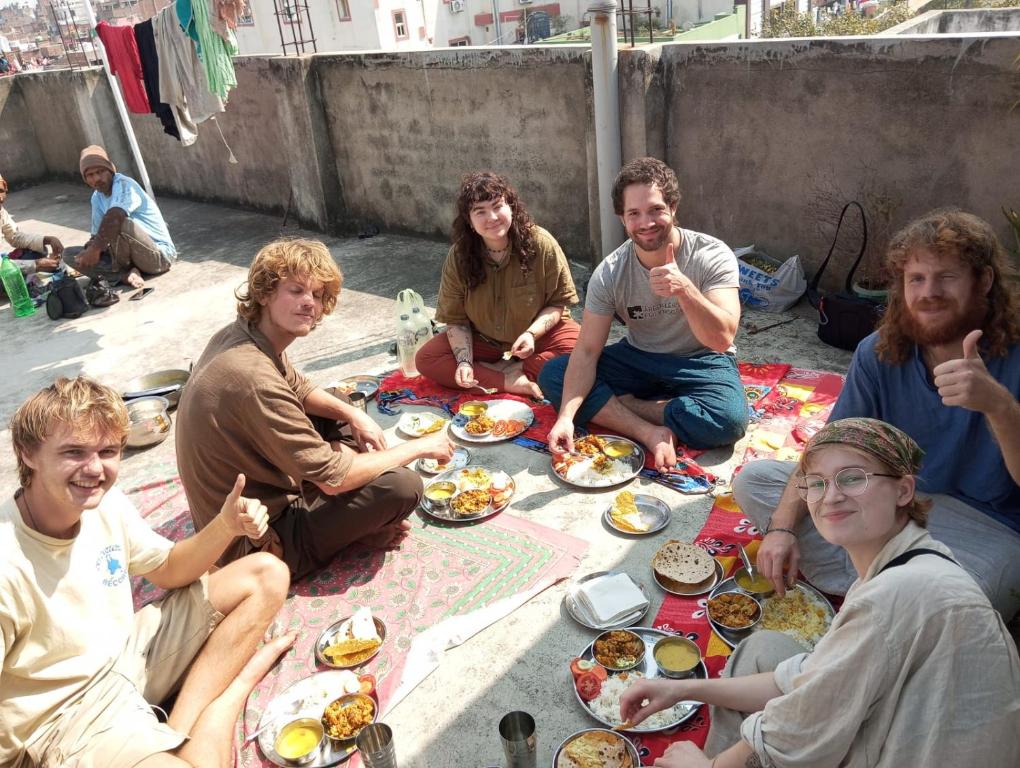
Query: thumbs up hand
{"points": [[966, 382], [244, 516]]}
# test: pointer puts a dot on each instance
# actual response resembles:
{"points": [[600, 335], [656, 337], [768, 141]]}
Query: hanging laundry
{"points": [[150, 76], [214, 52], [219, 26], [125, 63], [182, 79], [230, 10]]}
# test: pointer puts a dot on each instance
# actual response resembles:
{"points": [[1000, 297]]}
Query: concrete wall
{"points": [[960, 22], [21, 159], [768, 136]]}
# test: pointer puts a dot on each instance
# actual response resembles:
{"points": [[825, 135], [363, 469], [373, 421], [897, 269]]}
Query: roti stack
{"points": [[682, 566], [595, 749]]}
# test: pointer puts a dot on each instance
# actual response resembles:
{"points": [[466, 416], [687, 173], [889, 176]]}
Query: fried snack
{"points": [[479, 425], [625, 514], [589, 445], [595, 749], [470, 503], [344, 719], [733, 610]]}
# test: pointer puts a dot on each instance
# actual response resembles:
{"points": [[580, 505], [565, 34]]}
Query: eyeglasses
{"points": [[851, 481]]}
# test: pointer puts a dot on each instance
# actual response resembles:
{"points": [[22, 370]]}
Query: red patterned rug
{"points": [[785, 418]]}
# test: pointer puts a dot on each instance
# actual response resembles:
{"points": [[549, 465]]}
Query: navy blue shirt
{"points": [[961, 457]]}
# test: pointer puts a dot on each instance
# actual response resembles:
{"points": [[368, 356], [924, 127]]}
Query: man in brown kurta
{"points": [[321, 466]]}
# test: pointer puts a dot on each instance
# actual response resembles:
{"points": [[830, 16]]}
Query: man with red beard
{"points": [[944, 367], [674, 377]]}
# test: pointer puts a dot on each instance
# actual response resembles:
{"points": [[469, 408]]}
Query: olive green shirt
{"points": [[509, 300]]}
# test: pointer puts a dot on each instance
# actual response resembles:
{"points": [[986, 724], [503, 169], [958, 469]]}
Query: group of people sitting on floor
{"points": [[129, 237], [281, 475]]}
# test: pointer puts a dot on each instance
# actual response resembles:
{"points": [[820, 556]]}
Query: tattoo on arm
{"points": [[462, 351], [546, 319], [753, 761]]}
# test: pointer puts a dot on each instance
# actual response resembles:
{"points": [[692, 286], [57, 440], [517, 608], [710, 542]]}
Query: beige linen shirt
{"points": [[243, 411], [66, 611], [20, 239], [503, 307], [917, 669]]}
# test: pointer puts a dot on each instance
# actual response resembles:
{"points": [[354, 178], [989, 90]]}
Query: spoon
{"points": [[485, 390], [751, 570], [293, 709]]}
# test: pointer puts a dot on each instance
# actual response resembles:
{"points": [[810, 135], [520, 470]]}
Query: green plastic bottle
{"points": [[17, 291]]}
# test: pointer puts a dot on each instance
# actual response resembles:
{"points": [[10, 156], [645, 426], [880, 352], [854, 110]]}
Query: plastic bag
{"points": [[767, 284]]}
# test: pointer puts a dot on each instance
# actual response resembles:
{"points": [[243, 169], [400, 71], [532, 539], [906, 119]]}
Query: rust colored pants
{"points": [[435, 360]]}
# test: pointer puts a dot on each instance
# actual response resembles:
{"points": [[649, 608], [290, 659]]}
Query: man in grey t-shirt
{"points": [[674, 377]]}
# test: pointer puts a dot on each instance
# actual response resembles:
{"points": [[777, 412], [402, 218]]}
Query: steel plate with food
{"points": [[461, 456], [352, 641], [618, 649], [495, 486], [343, 718], [685, 569], [500, 420], [421, 424], [593, 466], [294, 717], [804, 614], [596, 748], [637, 514], [599, 690], [366, 385]]}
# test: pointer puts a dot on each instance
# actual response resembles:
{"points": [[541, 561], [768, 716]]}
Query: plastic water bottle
{"points": [[422, 327], [406, 347], [17, 291]]}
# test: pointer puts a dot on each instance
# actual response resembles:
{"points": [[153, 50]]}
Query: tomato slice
{"points": [[588, 686], [600, 672], [579, 666], [367, 683], [499, 428]]}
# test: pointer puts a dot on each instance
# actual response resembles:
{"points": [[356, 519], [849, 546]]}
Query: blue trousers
{"points": [[707, 407]]}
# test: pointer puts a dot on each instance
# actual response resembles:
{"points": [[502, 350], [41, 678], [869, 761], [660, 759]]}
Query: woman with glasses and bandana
{"points": [[917, 668]]}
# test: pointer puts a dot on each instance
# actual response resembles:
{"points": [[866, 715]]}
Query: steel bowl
{"points": [[676, 674], [639, 658], [150, 422], [168, 384], [306, 757], [441, 487], [743, 595], [344, 701]]}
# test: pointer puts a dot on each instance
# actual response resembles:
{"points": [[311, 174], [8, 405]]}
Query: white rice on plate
{"points": [[582, 473], [606, 706]]}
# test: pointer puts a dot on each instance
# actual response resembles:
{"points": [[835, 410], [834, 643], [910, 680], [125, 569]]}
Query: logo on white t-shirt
{"points": [[110, 565]]}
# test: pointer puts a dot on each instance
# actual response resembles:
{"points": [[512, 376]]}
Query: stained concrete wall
{"points": [[768, 136], [406, 127], [759, 131], [960, 22], [21, 160]]}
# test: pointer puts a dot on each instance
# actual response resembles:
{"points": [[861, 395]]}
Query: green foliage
{"points": [[785, 21]]}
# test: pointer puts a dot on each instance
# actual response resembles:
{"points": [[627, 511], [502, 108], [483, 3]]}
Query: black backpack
{"points": [[66, 299]]}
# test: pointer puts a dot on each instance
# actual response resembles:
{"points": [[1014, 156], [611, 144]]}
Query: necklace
{"points": [[497, 256], [31, 517]]}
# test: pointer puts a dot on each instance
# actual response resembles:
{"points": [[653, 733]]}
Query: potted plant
{"points": [[872, 279]]}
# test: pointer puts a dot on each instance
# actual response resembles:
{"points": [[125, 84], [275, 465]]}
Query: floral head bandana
{"points": [[883, 441]]}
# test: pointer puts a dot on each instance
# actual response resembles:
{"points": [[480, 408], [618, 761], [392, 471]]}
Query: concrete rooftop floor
{"points": [[519, 662]]}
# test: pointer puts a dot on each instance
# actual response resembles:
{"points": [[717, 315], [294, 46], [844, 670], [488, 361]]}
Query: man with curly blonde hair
{"points": [[79, 667], [944, 367], [320, 465]]}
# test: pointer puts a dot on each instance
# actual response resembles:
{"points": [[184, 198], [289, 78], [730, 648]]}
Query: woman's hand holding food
{"points": [[524, 347], [778, 559], [683, 754], [465, 375], [659, 694], [244, 516]]}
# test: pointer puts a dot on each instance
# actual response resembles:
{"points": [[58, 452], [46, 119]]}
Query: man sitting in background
{"points": [[129, 235], [33, 257]]}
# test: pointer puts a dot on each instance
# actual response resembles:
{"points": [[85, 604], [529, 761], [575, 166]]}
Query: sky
{"points": [[4, 3]]}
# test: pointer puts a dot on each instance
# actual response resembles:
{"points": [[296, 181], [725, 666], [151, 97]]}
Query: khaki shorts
{"points": [[111, 725]]}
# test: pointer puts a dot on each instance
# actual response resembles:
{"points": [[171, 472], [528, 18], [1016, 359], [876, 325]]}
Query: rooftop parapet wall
{"points": [[963, 21], [21, 160], [759, 132]]}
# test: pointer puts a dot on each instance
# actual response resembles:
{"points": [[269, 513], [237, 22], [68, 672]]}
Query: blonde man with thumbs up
{"points": [[79, 668], [944, 367]]}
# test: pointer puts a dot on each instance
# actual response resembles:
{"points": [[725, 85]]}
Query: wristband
{"points": [[769, 529], [463, 362]]}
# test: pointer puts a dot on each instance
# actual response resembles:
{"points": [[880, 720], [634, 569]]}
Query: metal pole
{"points": [[136, 153], [495, 21], [606, 93]]}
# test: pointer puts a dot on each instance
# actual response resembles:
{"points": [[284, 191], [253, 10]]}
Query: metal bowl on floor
{"points": [[150, 422], [168, 384]]}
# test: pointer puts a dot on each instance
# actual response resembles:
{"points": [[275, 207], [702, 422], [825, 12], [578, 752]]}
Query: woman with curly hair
{"points": [[505, 295]]}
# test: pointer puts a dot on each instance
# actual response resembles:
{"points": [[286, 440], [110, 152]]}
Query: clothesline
{"points": [[177, 65]]}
